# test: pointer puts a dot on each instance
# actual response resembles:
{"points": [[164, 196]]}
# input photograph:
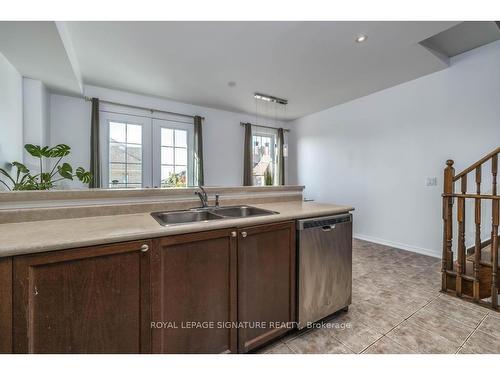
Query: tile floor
{"points": [[397, 308]]}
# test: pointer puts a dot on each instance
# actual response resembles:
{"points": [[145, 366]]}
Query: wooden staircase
{"points": [[474, 273]]}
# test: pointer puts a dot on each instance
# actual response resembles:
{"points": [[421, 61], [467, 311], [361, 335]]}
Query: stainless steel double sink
{"points": [[195, 215]]}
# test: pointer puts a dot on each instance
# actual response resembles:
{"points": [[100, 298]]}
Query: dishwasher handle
{"points": [[328, 228], [325, 223]]}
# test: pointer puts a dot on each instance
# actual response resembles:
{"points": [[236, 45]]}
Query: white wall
{"points": [[70, 124], [222, 135], [35, 117], [375, 152], [11, 113]]}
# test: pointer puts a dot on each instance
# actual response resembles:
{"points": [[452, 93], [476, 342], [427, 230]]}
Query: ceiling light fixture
{"points": [[361, 38], [269, 98]]}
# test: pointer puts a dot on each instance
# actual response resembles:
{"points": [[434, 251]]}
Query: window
{"points": [[264, 158], [174, 157], [125, 155], [139, 151]]}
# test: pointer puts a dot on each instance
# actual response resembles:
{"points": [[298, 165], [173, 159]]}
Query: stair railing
{"points": [[449, 196]]}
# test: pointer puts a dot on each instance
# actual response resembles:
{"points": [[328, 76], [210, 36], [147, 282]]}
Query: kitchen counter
{"points": [[48, 235]]}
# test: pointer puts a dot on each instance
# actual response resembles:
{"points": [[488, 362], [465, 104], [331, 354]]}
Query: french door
{"points": [[142, 152]]}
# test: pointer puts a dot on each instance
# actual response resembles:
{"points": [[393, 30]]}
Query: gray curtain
{"points": [[198, 152], [281, 156], [95, 155], [248, 156]]}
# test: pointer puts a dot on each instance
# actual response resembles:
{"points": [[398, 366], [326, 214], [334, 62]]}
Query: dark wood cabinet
{"points": [[5, 305], [266, 283], [86, 300], [194, 282], [190, 293]]}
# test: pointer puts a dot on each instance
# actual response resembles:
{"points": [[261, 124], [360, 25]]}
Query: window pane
{"points": [[167, 155], [134, 172], [167, 137], [134, 154], [180, 138], [117, 132], [117, 174], [166, 172], [181, 156], [134, 134], [117, 152], [264, 159]]}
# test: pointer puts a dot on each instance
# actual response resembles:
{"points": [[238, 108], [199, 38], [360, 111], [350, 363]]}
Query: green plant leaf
{"points": [[20, 167], [6, 174], [34, 150], [83, 175], [58, 151], [66, 171]]}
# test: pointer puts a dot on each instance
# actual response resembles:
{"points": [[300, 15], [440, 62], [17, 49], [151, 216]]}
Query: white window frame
{"points": [[151, 141], [258, 131], [158, 124], [145, 123]]}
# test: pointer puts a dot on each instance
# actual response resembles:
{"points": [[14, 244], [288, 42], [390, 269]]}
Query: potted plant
{"points": [[44, 180]]}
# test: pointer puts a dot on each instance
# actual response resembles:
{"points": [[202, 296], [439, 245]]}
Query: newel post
{"points": [[447, 257]]}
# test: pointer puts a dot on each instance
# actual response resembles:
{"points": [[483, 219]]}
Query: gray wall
{"points": [[11, 113], [375, 152]]}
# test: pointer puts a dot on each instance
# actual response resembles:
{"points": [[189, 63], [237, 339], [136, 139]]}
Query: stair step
{"points": [[485, 257]]}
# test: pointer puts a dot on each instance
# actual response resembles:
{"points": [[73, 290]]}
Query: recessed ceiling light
{"points": [[361, 38]]}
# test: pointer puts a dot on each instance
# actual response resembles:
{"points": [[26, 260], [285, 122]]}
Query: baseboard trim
{"points": [[399, 245]]}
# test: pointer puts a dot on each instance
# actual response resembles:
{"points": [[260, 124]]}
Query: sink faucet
{"points": [[204, 197]]}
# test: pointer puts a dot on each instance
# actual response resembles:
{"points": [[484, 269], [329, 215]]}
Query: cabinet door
{"points": [[195, 283], [266, 283], [87, 300], [5, 305]]}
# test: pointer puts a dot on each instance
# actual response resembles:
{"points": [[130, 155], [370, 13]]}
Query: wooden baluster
{"points": [[447, 257], [477, 247], [494, 234], [461, 236]]}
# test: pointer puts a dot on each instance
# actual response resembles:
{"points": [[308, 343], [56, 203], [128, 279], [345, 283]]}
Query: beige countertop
{"points": [[48, 235]]}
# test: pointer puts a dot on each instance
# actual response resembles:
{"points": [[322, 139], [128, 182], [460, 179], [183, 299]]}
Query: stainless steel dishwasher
{"points": [[324, 267]]}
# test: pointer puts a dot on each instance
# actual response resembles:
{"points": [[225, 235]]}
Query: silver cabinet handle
{"points": [[144, 248], [243, 234], [233, 234]]}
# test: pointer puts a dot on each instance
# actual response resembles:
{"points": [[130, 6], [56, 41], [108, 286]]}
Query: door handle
{"points": [[144, 248], [233, 234], [244, 234]]}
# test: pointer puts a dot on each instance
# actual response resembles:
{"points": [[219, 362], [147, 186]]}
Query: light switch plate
{"points": [[431, 181]]}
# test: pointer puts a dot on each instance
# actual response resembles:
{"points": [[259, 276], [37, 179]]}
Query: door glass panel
{"points": [[174, 157], [167, 137], [181, 156], [167, 155], [180, 138], [125, 155], [117, 132]]}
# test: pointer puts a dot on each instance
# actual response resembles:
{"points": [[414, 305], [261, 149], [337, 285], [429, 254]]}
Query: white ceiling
{"points": [[315, 65], [37, 51]]}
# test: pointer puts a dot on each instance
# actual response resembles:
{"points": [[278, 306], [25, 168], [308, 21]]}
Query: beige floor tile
{"points": [[491, 325], [278, 349], [396, 293], [421, 340], [481, 342], [356, 336], [442, 325], [317, 342], [387, 346]]}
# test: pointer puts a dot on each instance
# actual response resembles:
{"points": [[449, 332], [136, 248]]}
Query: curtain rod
{"points": [[87, 98], [262, 126]]}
